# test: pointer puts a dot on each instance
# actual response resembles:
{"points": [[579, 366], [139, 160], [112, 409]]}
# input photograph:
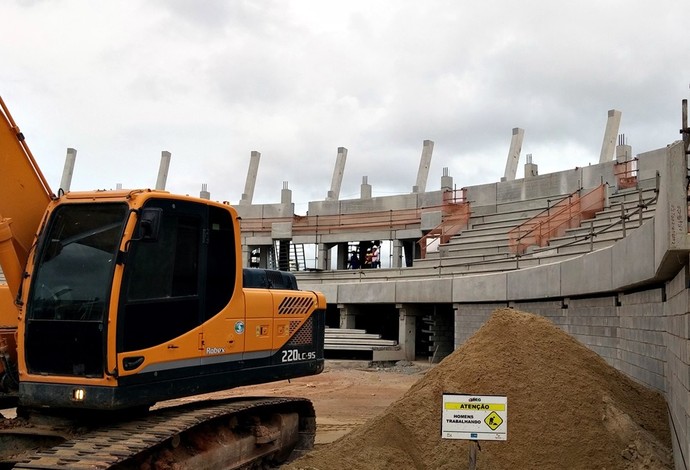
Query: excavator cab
{"points": [[135, 297]]}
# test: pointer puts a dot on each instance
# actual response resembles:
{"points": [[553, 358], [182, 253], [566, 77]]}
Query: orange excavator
{"points": [[113, 301]]}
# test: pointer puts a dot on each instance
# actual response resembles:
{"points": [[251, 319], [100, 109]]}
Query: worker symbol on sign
{"points": [[493, 420]]}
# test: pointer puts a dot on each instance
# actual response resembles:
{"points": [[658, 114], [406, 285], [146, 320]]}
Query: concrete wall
{"points": [[548, 185], [375, 204]]}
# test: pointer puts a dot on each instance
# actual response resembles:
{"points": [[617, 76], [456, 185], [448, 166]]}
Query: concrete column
{"points": [[531, 169], [342, 255], [365, 189], [424, 164], [250, 183], [263, 256], [514, 154], [407, 330], [446, 181], [347, 316], [322, 257], [285, 194], [623, 150], [338, 171], [163, 170], [397, 254], [607, 147], [204, 194], [246, 255], [68, 170]]}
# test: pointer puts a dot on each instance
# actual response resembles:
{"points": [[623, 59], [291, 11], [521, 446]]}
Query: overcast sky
{"points": [[212, 80]]}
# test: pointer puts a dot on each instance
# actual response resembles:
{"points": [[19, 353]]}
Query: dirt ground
{"points": [[346, 394]]}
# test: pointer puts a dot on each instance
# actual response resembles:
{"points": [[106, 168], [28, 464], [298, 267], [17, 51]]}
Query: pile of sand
{"points": [[567, 409]]}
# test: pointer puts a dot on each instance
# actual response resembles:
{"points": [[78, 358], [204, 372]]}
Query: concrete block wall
{"points": [[677, 383], [552, 309], [594, 322], [643, 333], [641, 337], [630, 331], [470, 317]]}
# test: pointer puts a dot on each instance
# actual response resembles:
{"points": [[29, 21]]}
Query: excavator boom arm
{"points": [[24, 196]]}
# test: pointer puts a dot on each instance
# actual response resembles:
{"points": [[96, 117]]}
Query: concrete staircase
{"points": [[484, 247], [349, 339]]}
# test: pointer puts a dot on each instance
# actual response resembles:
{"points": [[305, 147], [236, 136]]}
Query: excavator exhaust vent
{"points": [[296, 306]]}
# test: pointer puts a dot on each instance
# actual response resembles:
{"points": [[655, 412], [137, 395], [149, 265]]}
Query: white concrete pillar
{"points": [[397, 254], [514, 154], [204, 194], [163, 170], [446, 181], [285, 194], [365, 188], [347, 317], [407, 330], [68, 170], [424, 164], [250, 183], [342, 255], [246, 255], [623, 150], [531, 169], [322, 257], [607, 147], [338, 171]]}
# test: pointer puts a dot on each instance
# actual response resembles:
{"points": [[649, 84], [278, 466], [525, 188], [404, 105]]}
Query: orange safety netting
{"points": [[455, 216], [553, 222]]}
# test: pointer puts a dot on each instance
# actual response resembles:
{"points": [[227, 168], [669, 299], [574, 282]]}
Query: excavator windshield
{"points": [[71, 287], [75, 264]]}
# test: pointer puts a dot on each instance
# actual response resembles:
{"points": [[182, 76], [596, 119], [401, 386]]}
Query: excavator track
{"points": [[217, 434]]}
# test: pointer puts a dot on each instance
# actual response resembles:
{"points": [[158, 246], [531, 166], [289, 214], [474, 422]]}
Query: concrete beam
{"points": [[338, 171], [424, 164], [250, 183], [163, 170], [514, 154], [610, 134], [68, 170]]}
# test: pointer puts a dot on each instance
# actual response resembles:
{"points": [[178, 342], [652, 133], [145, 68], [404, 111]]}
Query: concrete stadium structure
{"points": [[618, 279]]}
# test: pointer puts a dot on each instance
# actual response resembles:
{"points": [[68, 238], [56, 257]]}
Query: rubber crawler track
{"points": [[113, 444]]}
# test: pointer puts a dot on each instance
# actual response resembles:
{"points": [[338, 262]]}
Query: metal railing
{"points": [[553, 222], [626, 174], [455, 216], [393, 219]]}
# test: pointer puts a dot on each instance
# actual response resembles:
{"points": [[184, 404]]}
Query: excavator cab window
{"points": [[174, 284], [70, 289]]}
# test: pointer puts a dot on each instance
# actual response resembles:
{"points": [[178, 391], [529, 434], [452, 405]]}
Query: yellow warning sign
{"points": [[493, 420], [474, 417]]}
